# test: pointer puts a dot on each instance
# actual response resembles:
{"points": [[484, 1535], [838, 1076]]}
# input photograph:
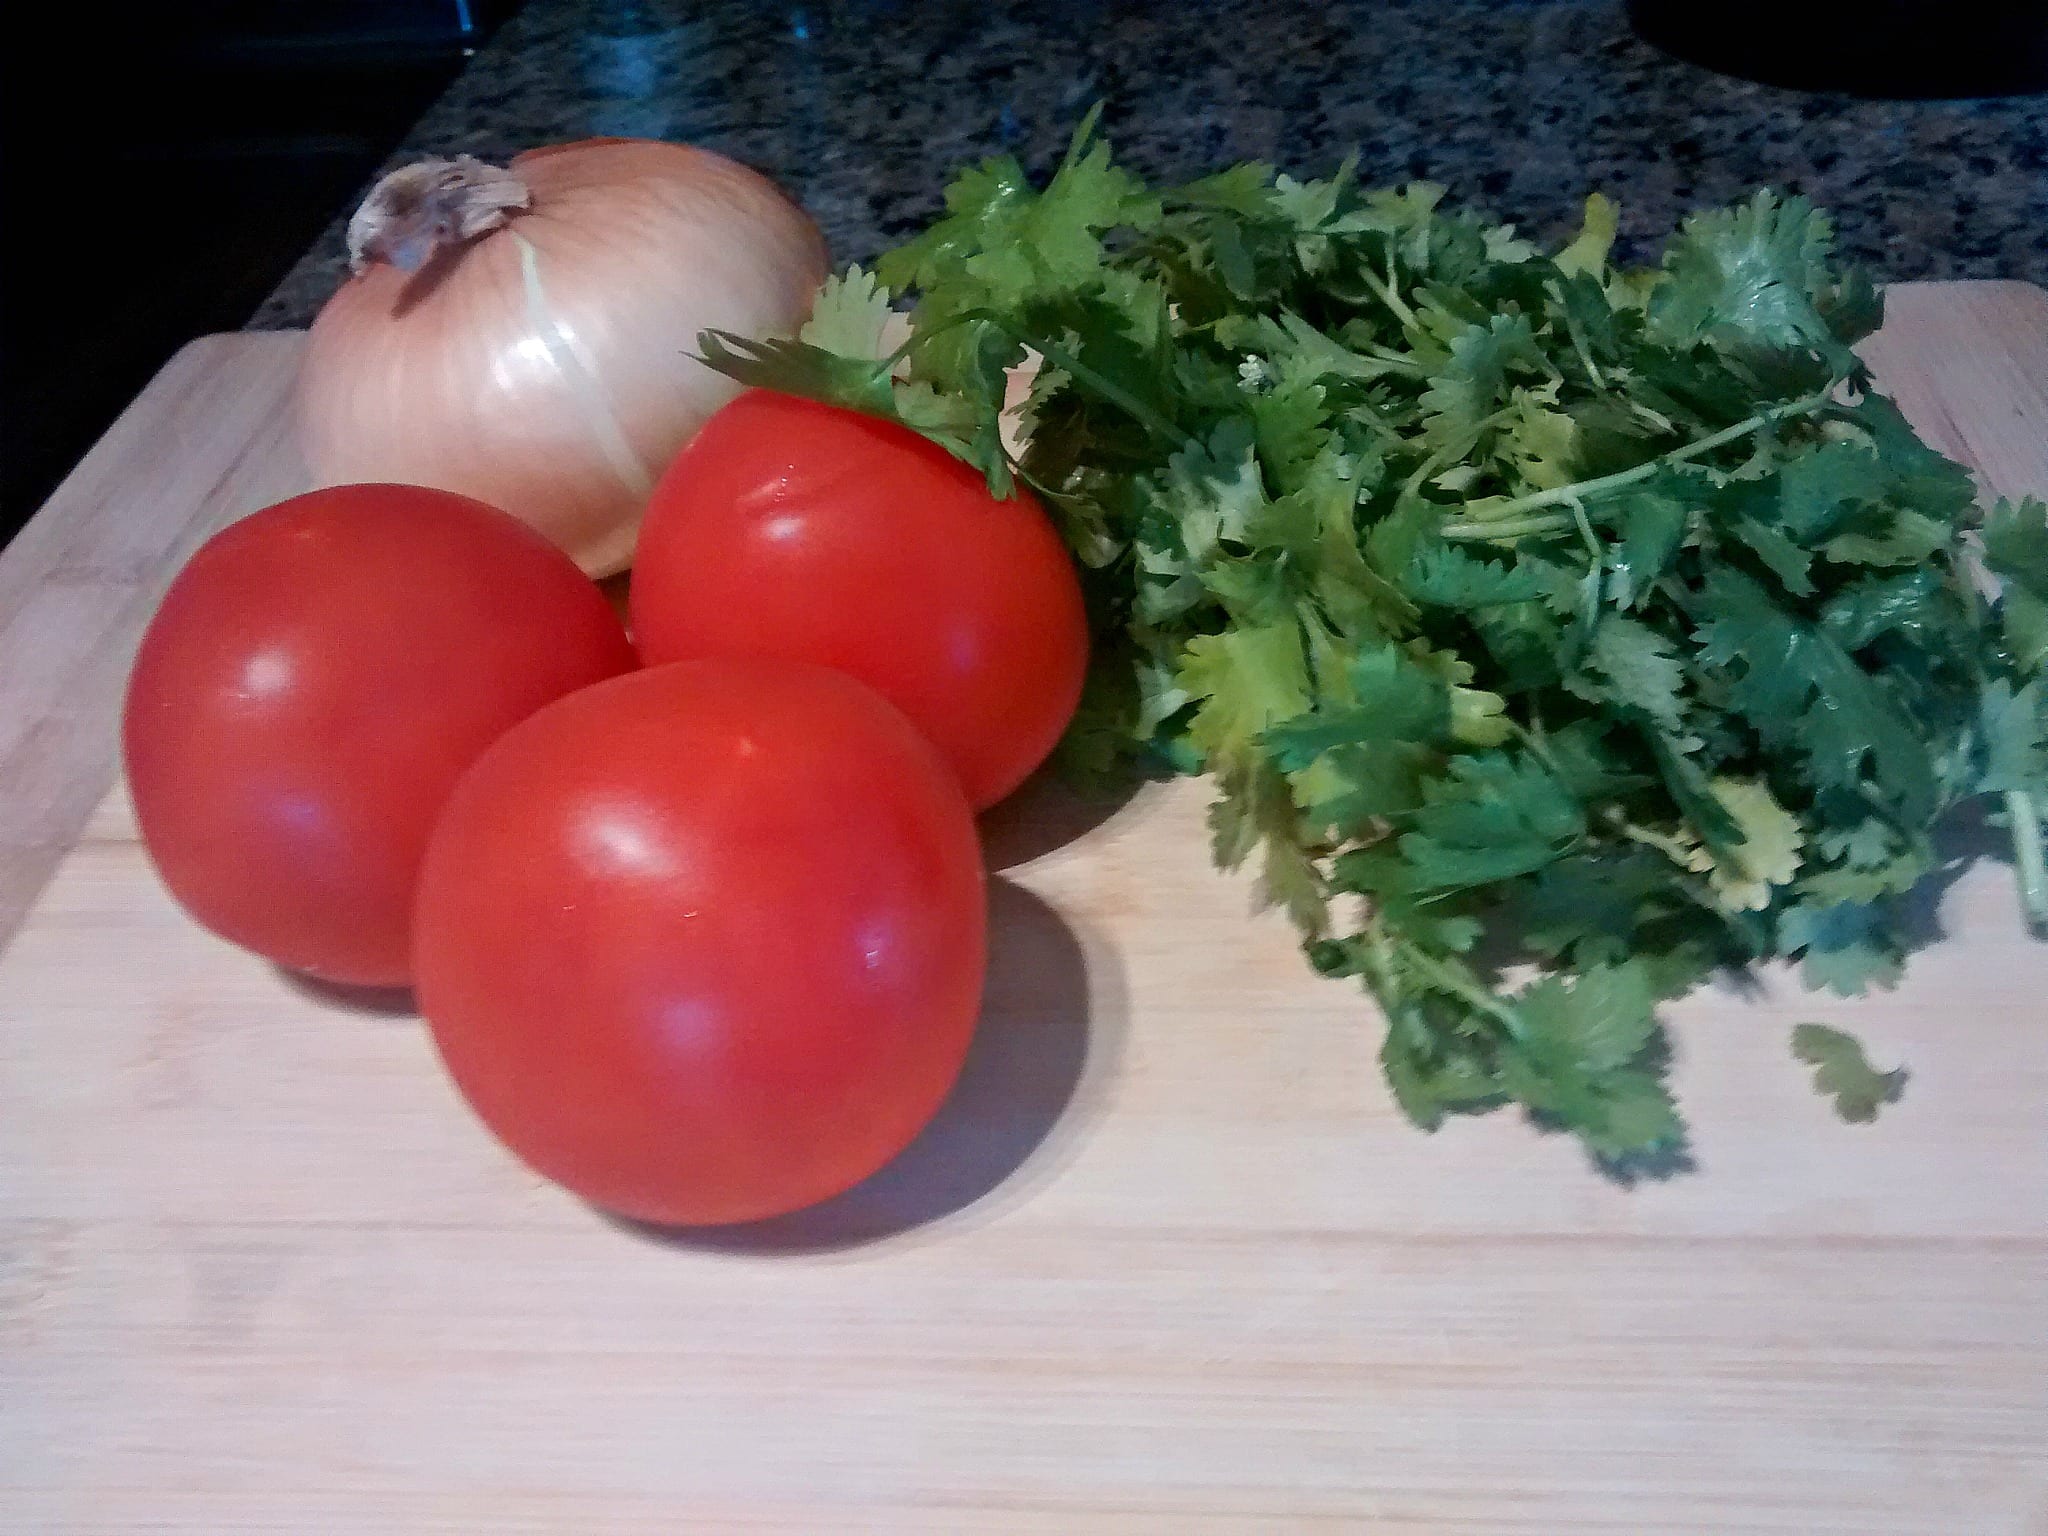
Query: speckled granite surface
{"points": [[863, 107]]}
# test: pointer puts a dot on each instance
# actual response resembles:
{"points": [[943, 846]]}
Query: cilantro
{"points": [[1445, 576], [2014, 729], [1600, 619], [1492, 816], [1755, 271], [848, 316], [1652, 525], [1630, 666], [1804, 694], [1844, 1073], [2016, 547], [1874, 606], [1849, 947], [1767, 857], [1246, 680], [1588, 252]]}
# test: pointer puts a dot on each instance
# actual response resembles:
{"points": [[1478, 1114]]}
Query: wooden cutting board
{"points": [[1170, 1262]]}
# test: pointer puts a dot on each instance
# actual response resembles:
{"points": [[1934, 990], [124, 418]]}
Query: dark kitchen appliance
{"points": [[1901, 48]]}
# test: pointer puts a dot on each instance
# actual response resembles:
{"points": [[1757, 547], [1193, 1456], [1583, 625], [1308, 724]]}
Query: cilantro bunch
{"points": [[1521, 608]]}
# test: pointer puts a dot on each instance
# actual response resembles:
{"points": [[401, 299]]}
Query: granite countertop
{"points": [[863, 108]]}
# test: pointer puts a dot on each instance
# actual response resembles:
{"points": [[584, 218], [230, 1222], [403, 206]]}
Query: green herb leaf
{"points": [[849, 316], [1843, 1073], [1634, 668], [1754, 270]]}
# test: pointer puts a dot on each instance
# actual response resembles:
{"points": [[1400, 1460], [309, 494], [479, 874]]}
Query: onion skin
{"points": [[546, 366]]}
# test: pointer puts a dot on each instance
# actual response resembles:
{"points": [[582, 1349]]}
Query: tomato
{"points": [[705, 943], [315, 682], [789, 528]]}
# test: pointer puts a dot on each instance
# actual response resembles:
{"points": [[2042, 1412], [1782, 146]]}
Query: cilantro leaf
{"points": [[1652, 522], [1246, 681], [849, 315], [1784, 559], [1588, 250], [2016, 548], [1393, 700], [1801, 690], [1755, 270], [1817, 490], [1843, 1073], [1633, 667], [1576, 1060], [1589, 907], [1603, 1021], [1876, 606], [2014, 729], [801, 368], [1870, 861], [1217, 488], [1432, 1075], [2016, 543], [1471, 382], [1492, 816], [2024, 621], [1747, 875], [1445, 576], [1849, 947]]}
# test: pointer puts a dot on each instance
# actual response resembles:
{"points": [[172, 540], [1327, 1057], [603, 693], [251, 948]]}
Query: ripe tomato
{"points": [[790, 528], [315, 682], [705, 943]]}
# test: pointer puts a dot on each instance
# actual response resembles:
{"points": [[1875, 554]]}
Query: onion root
{"points": [[433, 203]]}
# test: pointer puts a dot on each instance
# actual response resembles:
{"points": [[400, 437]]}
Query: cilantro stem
{"points": [[1109, 390], [885, 367], [1369, 418], [1053, 353], [1655, 418], [1380, 974], [2029, 858], [1412, 488], [1649, 837], [1384, 292], [1585, 526], [1399, 362], [1515, 519], [1444, 978], [1585, 355]]}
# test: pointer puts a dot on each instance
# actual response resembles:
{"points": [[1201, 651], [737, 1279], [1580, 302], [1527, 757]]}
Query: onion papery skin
{"points": [[547, 365]]}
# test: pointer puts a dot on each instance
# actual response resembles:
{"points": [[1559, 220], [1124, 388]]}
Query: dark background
{"points": [[1901, 48], [161, 167]]}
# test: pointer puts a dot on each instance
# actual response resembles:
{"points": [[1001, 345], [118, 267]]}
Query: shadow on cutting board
{"points": [[373, 1002], [1045, 816], [1959, 844], [1051, 1030]]}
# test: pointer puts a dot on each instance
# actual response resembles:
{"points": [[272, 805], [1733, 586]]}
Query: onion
{"points": [[523, 335]]}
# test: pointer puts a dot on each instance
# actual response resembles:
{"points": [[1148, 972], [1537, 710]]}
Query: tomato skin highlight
{"points": [[317, 678], [705, 943], [794, 529]]}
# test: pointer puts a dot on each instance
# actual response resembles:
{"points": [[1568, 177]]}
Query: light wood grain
{"points": [[207, 441], [1968, 364], [1171, 1262]]}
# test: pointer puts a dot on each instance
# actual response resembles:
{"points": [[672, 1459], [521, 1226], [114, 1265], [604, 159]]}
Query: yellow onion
{"points": [[523, 335]]}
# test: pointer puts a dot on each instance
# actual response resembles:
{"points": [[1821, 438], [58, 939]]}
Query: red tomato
{"points": [[705, 943], [315, 682], [789, 528]]}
